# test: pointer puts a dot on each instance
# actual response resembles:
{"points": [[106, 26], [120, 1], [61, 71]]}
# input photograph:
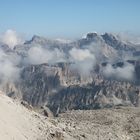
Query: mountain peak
{"points": [[109, 36], [91, 35], [110, 39], [35, 39]]}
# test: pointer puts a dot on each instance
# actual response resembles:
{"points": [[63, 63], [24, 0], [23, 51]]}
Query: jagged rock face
{"points": [[111, 40], [137, 68], [137, 53], [95, 96], [90, 37], [62, 88], [37, 82]]}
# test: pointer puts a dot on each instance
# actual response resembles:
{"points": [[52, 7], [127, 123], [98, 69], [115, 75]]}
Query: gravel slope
{"points": [[20, 123], [107, 124]]}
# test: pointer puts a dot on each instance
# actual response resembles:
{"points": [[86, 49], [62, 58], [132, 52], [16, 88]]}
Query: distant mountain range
{"points": [[96, 71]]}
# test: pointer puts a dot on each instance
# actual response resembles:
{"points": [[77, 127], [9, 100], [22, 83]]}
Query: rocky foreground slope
{"points": [[106, 124], [20, 123]]}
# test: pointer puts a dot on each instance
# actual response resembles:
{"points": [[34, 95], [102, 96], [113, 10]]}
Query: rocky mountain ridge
{"points": [[98, 71]]}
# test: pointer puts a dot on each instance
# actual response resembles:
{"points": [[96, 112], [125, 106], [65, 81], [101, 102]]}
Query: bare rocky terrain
{"points": [[104, 124], [19, 122], [88, 88]]}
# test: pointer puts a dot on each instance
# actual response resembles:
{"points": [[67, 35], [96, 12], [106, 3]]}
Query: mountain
{"points": [[110, 45], [115, 42], [94, 72]]}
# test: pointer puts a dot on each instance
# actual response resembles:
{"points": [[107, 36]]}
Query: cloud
{"points": [[83, 59], [80, 54], [61, 40], [39, 55], [101, 51], [126, 72], [8, 67], [129, 37], [11, 38]]}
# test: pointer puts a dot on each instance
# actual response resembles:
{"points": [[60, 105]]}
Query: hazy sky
{"points": [[69, 18]]}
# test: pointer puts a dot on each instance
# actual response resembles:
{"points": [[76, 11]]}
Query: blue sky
{"points": [[69, 18]]}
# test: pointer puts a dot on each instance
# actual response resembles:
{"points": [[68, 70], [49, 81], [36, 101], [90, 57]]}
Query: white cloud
{"points": [[83, 59], [8, 69], [80, 54], [39, 55], [121, 73], [11, 38]]}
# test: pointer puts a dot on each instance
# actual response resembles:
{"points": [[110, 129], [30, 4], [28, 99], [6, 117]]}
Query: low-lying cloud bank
{"points": [[84, 59], [39, 55], [127, 72], [11, 38], [8, 67]]}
